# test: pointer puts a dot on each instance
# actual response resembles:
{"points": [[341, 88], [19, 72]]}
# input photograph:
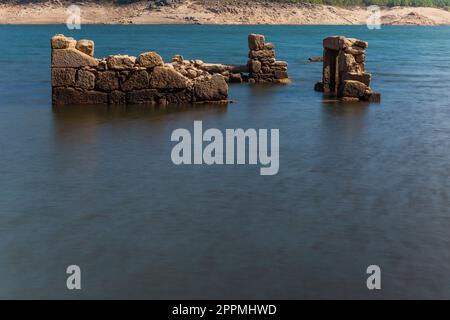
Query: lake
{"points": [[358, 184]]}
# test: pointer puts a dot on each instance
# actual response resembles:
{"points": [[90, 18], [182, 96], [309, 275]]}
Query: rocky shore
{"points": [[216, 12]]}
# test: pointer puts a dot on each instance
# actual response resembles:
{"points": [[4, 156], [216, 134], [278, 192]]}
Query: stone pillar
{"points": [[262, 64], [344, 73]]}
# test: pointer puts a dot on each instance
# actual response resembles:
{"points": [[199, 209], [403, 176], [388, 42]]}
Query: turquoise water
{"points": [[358, 184]]}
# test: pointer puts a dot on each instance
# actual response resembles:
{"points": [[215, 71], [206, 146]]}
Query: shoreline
{"points": [[214, 13]]}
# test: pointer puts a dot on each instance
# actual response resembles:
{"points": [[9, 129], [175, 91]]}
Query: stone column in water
{"points": [[344, 73], [262, 64]]}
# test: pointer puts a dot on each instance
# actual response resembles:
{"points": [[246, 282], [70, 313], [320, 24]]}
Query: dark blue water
{"points": [[358, 184]]}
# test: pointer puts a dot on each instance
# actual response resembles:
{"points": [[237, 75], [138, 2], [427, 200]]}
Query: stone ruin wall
{"points": [[79, 78], [344, 73], [261, 67]]}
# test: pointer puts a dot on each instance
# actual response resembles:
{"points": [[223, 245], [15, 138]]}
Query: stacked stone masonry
{"points": [[79, 78], [262, 65], [344, 73]]}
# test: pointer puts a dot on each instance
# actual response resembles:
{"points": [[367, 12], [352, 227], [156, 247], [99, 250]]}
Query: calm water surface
{"points": [[358, 184]]}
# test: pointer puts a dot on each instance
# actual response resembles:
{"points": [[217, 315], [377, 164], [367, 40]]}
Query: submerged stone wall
{"points": [[262, 67], [344, 73], [231, 73], [262, 64], [79, 78]]}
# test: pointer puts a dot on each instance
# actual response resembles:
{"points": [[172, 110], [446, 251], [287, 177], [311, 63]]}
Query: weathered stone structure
{"points": [[231, 73], [260, 68], [79, 78], [262, 65], [344, 73]]}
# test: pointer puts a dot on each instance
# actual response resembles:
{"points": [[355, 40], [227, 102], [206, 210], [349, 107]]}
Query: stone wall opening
{"points": [[330, 71]]}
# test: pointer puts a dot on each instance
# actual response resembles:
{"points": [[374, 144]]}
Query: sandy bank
{"points": [[212, 12]]}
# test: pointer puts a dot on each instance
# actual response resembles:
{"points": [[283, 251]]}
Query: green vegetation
{"points": [[387, 3]]}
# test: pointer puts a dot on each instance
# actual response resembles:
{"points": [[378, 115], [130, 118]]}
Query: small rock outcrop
{"points": [[344, 73], [198, 69], [232, 73], [412, 18], [315, 59], [79, 78], [262, 65]]}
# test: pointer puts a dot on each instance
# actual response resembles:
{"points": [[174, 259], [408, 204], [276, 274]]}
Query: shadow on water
{"points": [[344, 125], [347, 110], [263, 90], [85, 123], [131, 110]]}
